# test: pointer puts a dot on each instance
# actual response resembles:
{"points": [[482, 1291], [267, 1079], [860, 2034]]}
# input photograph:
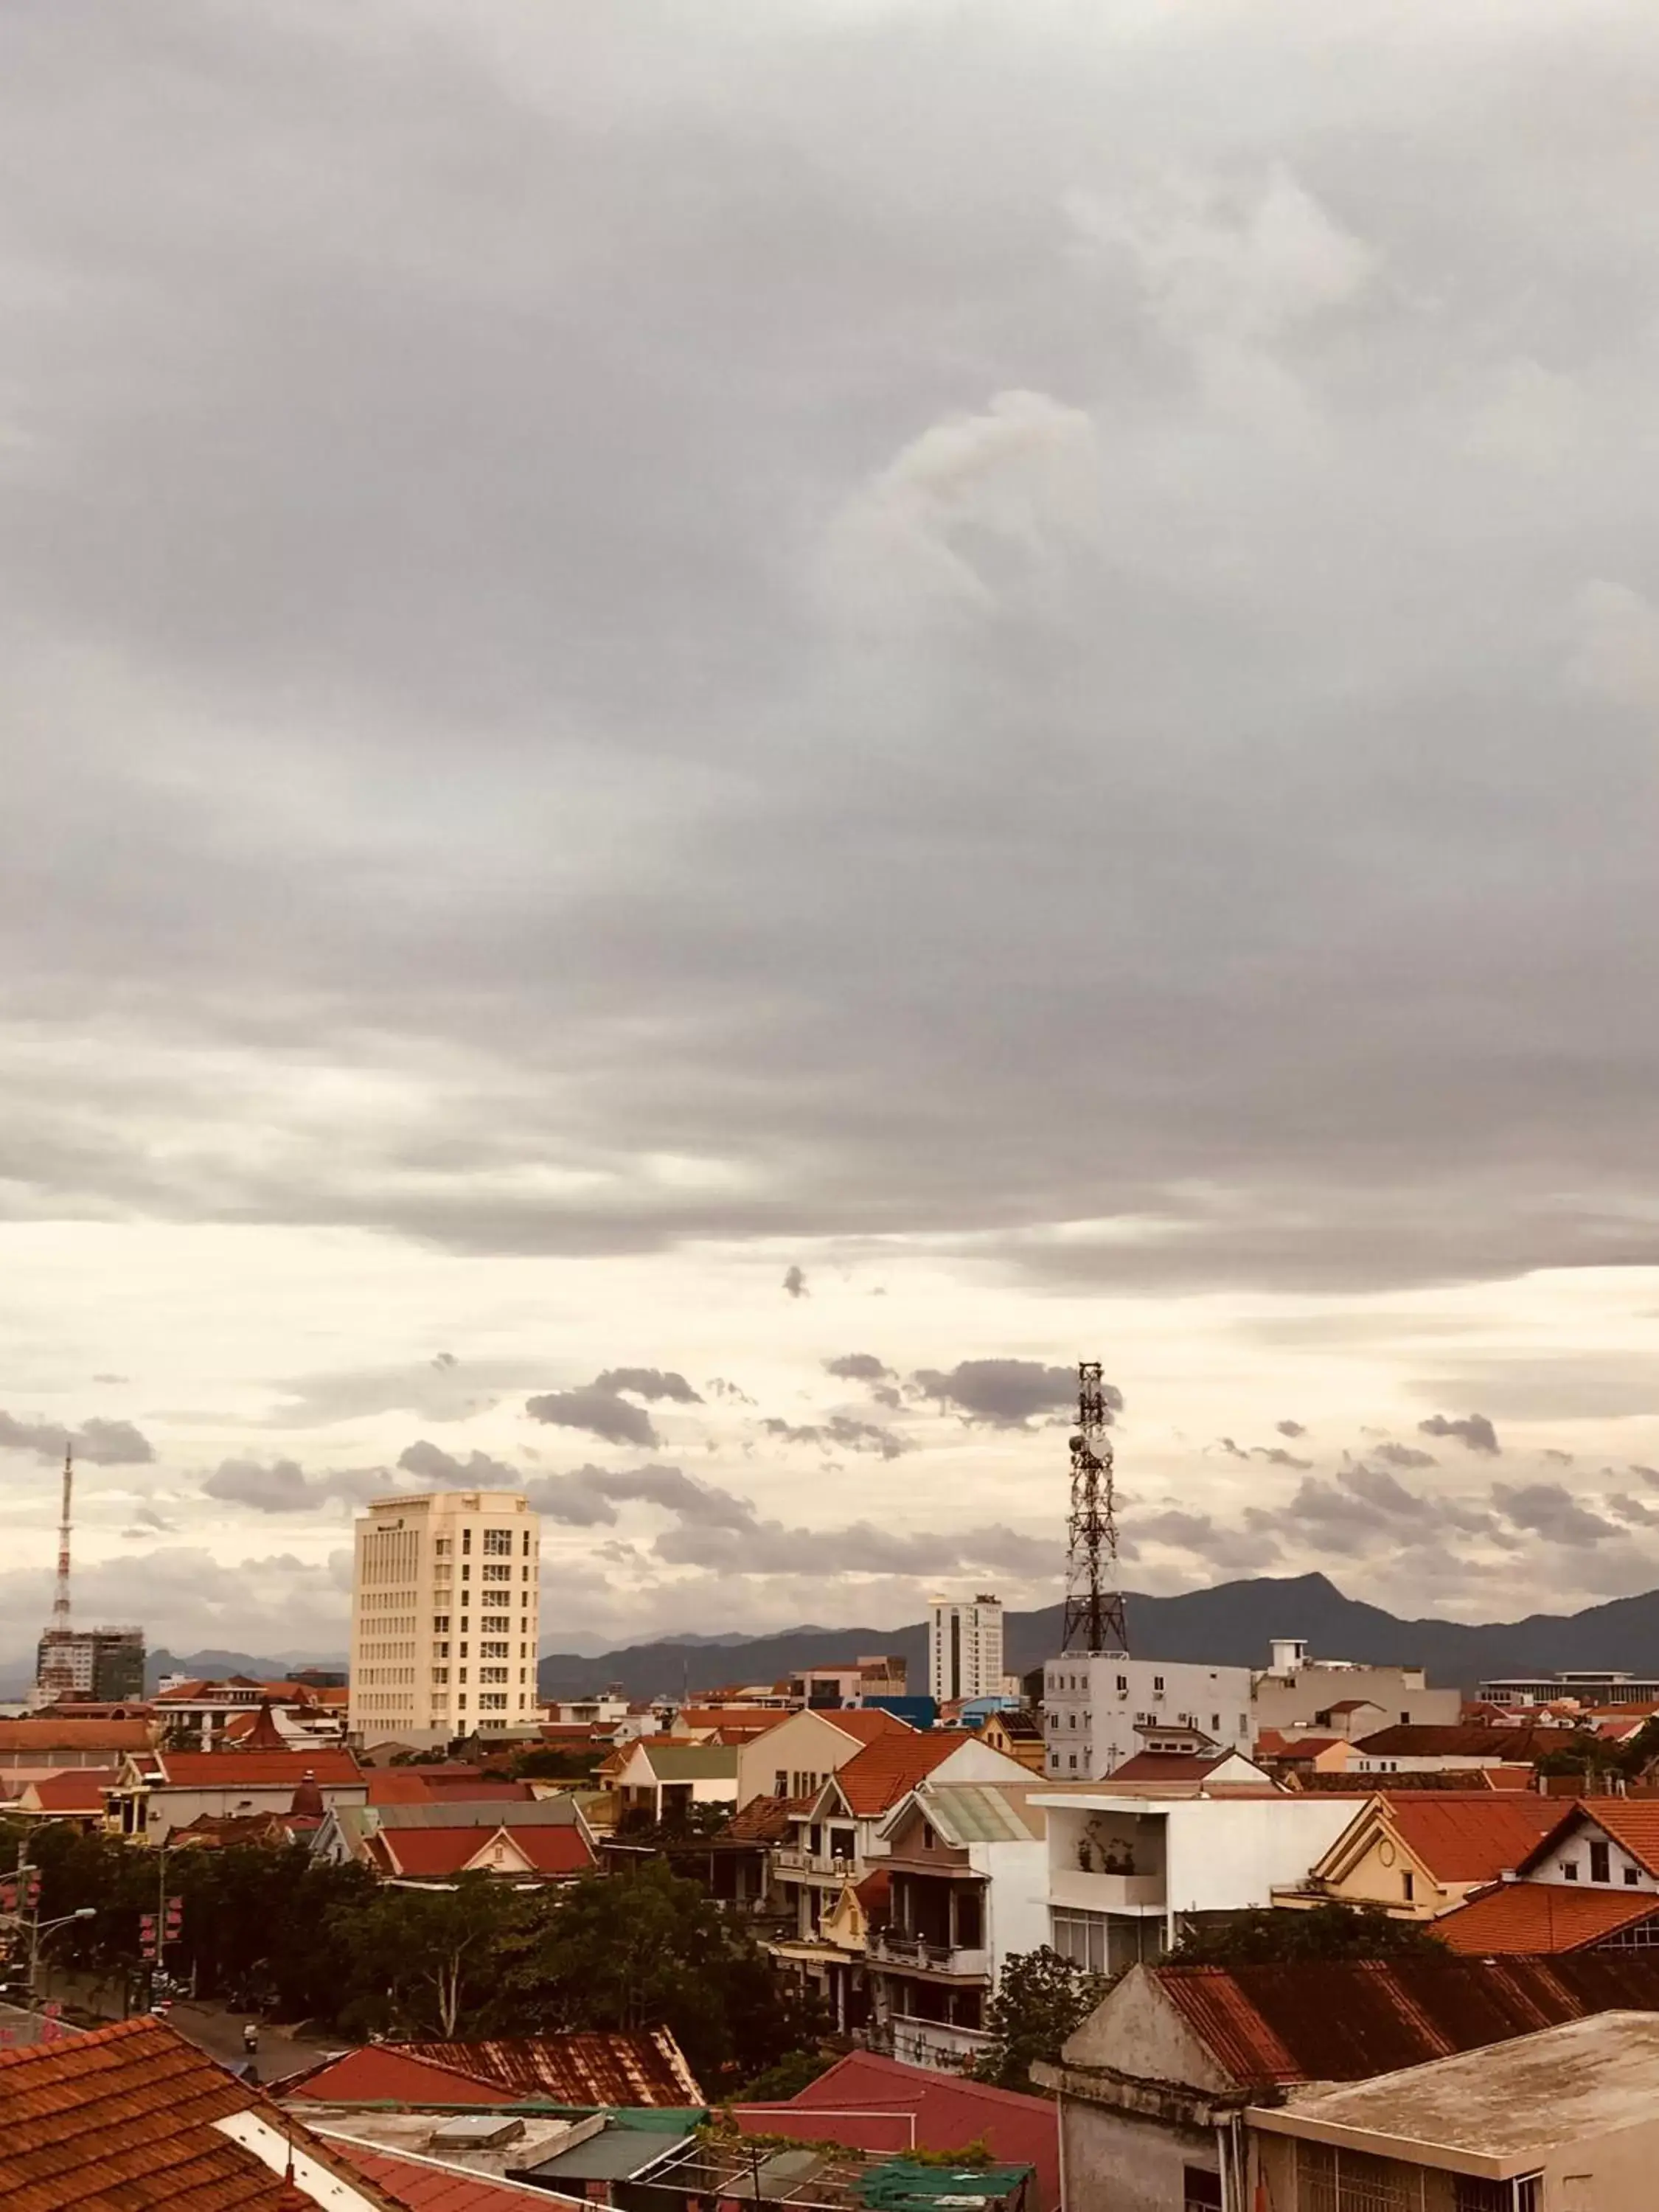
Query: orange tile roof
{"points": [[868, 1722], [257, 1770], [424, 2184], [1539, 1916], [874, 1779], [44, 1736], [434, 1852], [1634, 1825], [410, 1785], [124, 2117], [1470, 1838], [76, 1789], [378, 2073]]}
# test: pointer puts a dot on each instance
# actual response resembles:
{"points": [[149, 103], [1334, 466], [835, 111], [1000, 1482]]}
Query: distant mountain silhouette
{"points": [[217, 1666], [1231, 1625]]}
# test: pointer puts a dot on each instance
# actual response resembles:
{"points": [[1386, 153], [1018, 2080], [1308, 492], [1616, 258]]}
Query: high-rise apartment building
{"points": [[964, 1649], [104, 1664], [445, 1615]]}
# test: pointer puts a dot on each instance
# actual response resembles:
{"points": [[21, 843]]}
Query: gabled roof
{"points": [[1634, 1825], [764, 1819], [427, 1854], [44, 1736], [1425, 1739], [1541, 1918], [980, 1812], [386, 2073], [128, 2115], [1173, 1766], [865, 1723], [889, 1768], [1346, 2020], [872, 2103], [76, 1790], [257, 1770], [689, 1762], [558, 1812], [611, 2067], [1465, 1837]]}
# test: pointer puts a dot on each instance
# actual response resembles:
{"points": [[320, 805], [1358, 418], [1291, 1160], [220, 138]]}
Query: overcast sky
{"points": [[714, 711]]}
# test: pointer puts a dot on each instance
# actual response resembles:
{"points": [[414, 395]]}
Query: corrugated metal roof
{"points": [[691, 1762], [981, 1812], [611, 2068], [1345, 2019]]}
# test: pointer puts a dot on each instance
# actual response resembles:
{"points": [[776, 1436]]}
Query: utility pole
{"points": [[1094, 1619]]}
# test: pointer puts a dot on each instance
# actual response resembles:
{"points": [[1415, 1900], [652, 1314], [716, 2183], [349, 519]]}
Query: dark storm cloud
{"points": [[1005, 1394], [502, 538], [1474, 1430], [99, 1443]]}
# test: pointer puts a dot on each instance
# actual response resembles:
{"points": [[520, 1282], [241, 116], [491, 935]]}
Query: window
{"points": [[492, 1701], [1569, 1869], [492, 1674], [928, 1839], [526, 1543], [1072, 1761], [1215, 1723], [1123, 1685], [498, 1574], [440, 1673], [498, 1543], [1632, 1877], [440, 1624], [467, 1539], [780, 1784], [1157, 1682], [1408, 1886], [1199, 2189], [496, 1650], [442, 1549], [466, 1574], [441, 1650], [1601, 1868]]}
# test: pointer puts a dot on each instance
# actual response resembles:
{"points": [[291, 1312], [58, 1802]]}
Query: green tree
{"points": [[795, 2071], [1271, 1935], [1039, 2000], [645, 1948], [426, 1962]]}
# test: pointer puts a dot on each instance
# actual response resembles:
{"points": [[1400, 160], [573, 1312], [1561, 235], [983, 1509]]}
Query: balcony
{"points": [[932, 2043], [1105, 1893], [897, 1946]]}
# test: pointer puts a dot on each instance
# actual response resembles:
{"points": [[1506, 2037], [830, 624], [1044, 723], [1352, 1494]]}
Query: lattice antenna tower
{"points": [[1094, 1599], [60, 1602]]}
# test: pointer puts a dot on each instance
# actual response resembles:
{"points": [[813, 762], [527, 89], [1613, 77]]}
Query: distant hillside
{"points": [[214, 1666], [1228, 1626]]}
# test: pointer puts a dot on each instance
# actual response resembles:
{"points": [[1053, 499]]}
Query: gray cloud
{"points": [[280, 1485], [879, 1379], [1474, 1430], [1291, 1429], [600, 1413], [1005, 1394], [651, 1382], [1408, 1456], [768, 1547], [1549, 1509], [840, 1433], [795, 1283], [99, 1443]]}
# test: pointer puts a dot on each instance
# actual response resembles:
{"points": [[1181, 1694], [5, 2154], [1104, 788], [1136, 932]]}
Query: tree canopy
{"points": [[1039, 2000], [1272, 1935]]}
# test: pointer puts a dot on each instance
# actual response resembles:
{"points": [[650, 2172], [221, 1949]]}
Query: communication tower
{"points": [[1094, 1619]]}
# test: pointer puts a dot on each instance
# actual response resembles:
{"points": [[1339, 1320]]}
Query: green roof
{"points": [[902, 2183]]}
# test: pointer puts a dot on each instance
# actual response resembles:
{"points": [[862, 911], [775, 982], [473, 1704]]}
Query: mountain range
{"points": [[1231, 1625]]}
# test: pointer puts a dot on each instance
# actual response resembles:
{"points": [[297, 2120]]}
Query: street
{"points": [[214, 2028]]}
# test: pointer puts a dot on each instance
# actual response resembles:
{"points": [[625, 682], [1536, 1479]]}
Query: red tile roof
{"points": [[425, 2186], [869, 2102], [43, 1736], [1470, 1837], [123, 2118], [411, 1785], [867, 1722], [257, 1770], [1634, 1825], [432, 1852], [78, 1790], [1425, 1739], [874, 1779], [1168, 1766], [1346, 2020], [1540, 1918], [609, 2067]]}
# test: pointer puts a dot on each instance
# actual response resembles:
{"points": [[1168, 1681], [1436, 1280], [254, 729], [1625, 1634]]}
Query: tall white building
{"points": [[445, 1615], [964, 1649], [1098, 1709]]}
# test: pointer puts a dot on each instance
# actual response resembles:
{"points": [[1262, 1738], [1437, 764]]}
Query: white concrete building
{"points": [[1125, 1872], [1093, 1704], [1295, 1693], [445, 1616], [964, 1649]]}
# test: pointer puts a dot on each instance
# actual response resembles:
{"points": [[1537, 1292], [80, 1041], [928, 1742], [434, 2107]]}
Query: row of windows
{"points": [[379, 1702], [371, 1674], [404, 1649], [383, 1601], [800, 1784], [1600, 1867]]}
